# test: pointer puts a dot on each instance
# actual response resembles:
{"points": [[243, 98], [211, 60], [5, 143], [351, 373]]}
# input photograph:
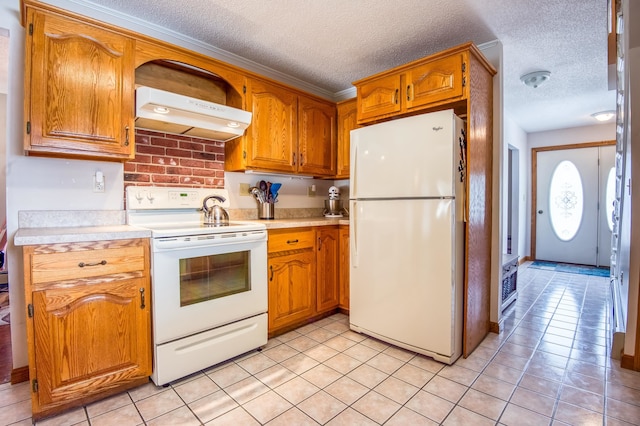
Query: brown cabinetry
{"points": [[347, 121], [328, 293], [343, 267], [79, 88], [292, 277], [289, 132], [416, 86], [88, 321]]}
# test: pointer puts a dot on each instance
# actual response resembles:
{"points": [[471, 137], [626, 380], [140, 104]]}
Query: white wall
{"points": [[40, 183], [573, 135], [516, 137]]}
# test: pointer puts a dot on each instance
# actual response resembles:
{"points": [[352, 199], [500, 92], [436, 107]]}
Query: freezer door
{"points": [[408, 157], [406, 276]]}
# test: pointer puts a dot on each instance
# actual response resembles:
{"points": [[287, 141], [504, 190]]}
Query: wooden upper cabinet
{"points": [[272, 136], [420, 85], [316, 137], [79, 89], [434, 81], [347, 121], [379, 97], [289, 132]]}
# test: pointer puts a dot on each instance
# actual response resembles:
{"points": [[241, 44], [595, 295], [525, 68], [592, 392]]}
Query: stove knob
{"points": [[139, 197], [151, 197]]}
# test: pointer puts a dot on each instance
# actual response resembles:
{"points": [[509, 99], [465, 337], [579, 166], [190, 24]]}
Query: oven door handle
{"points": [[170, 243]]}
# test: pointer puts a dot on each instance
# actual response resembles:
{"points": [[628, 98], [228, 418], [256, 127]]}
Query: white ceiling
{"points": [[331, 43]]}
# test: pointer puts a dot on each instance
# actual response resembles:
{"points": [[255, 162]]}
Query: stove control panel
{"points": [[170, 198]]}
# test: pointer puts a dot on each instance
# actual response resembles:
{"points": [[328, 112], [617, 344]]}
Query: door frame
{"points": [[534, 180]]}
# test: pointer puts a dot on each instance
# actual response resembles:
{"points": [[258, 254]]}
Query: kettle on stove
{"points": [[215, 215]]}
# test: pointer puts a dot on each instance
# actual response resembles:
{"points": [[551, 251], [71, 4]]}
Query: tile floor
{"points": [[549, 366]]}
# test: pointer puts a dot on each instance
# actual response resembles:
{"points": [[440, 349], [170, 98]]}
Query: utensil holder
{"points": [[266, 210]]}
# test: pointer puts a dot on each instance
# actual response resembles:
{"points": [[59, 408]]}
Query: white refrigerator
{"points": [[407, 233]]}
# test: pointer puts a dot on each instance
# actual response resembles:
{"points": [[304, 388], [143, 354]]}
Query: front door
{"points": [[571, 218]]}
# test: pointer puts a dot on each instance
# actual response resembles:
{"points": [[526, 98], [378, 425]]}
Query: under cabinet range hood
{"points": [[173, 113]]}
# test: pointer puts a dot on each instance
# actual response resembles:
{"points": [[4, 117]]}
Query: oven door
{"points": [[203, 282]]}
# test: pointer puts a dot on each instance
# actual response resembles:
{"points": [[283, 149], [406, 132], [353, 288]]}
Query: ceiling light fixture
{"points": [[536, 78], [603, 115]]}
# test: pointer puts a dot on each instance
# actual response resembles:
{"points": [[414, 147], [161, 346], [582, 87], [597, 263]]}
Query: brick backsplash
{"points": [[164, 159]]}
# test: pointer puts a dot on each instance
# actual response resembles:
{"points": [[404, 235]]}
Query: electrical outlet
{"points": [[98, 182], [311, 191], [244, 189]]}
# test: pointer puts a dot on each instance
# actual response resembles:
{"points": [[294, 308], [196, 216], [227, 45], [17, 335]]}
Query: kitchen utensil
{"points": [[275, 187], [269, 196]]}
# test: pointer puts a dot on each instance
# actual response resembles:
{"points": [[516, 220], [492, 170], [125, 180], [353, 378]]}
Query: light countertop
{"points": [[75, 234], [72, 234]]}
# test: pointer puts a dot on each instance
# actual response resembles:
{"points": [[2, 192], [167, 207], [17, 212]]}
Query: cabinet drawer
{"points": [[69, 265], [283, 240]]}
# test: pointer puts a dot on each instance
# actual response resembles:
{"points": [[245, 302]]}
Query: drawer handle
{"points": [[292, 241], [82, 264], [142, 304], [271, 269]]}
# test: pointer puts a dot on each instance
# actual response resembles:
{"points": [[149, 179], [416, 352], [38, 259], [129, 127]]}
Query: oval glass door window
{"points": [[609, 196], [566, 200]]}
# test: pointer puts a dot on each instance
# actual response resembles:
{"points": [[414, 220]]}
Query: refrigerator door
{"points": [[406, 274], [404, 158]]}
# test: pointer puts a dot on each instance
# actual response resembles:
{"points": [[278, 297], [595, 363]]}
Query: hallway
{"points": [[549, 365]]}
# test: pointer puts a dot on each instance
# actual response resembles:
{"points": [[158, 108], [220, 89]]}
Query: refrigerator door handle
{"points": [[354, 235]]}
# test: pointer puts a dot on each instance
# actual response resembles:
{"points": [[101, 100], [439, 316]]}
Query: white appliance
{"points": [[407, 233], [208, 283], [174, 113]]}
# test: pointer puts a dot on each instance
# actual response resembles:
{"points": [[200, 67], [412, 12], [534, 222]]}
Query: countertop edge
{"points": [[54, 235], [76, 234]]}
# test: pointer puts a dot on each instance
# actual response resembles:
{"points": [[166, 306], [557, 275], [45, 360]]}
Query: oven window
{"points": [[209, 277]]}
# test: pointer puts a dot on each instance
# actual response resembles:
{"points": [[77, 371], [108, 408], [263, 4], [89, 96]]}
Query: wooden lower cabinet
{"points": [[343, 267], [88, 321], [292, 277], [304, 275], [328, 293]]}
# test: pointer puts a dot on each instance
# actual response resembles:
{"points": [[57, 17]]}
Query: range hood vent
{"points": [[169, 112]]}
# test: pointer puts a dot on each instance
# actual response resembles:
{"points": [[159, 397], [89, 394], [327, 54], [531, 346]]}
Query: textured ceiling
{"points": [[331, 43]]}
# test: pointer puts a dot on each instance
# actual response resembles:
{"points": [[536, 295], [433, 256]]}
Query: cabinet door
{"points": [[378, 98], [343, 238], [272, 136], [292, 283], [316, 137], [90, 337], [347, 121], [79, 89], [435, 82], [327, 261]]}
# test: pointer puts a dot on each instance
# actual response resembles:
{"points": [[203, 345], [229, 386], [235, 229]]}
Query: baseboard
{"points": [[628, 362], [524, 259], [19, 375], [494, 327]]}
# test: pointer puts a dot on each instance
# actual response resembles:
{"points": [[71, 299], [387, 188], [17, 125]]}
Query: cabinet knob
{"points": [[126, 136], [142, 302]]}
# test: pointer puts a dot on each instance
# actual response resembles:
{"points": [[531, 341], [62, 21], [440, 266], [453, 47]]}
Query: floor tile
{"points": [[321, 376], [196, 389], [515, 415], [322, 407], [321, 353], [297, 390], [159, 404], [445, 388], [540, 385], [109, 404], [340, 343], [413, 375], [405, 416], [350, 417], [482, 403], [574, 415], [396, 390], [623, 411], [346, 390], [267, 406], [281, 352], [494, 387], [246, 390], [367, 376], [235, 417], [212, 406], [430, 406], [385, 363], [462, 416], [582, 398], [292, 416], [377, 407], [228, 375], [182, 416], [533, 401], [275, 376]]}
